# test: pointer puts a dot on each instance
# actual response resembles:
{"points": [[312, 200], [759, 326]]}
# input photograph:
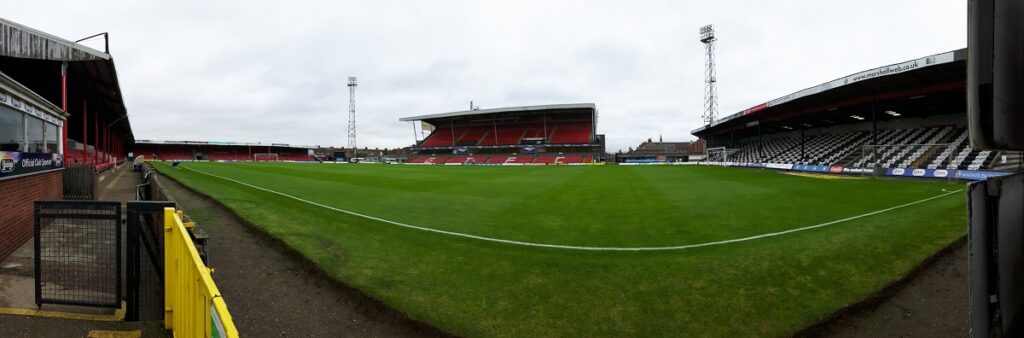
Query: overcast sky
{"points": [[253, 71]]}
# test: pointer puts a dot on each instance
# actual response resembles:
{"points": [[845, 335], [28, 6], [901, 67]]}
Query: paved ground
{"points": [[270, 291], [39, 327], [932, 304]]}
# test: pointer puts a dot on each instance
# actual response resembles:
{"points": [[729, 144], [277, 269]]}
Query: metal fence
{"points": [[79, 182], [144, 294], [78, 253], [194, 305]]}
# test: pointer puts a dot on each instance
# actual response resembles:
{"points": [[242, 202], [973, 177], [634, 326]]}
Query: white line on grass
{"points": [[573, 247]]}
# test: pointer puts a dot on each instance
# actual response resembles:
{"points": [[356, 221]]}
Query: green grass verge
{"points": [[766, 287]]}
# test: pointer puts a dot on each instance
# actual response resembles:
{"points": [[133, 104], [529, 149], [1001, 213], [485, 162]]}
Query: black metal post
{"points": [[760, 144], [38, 258], [132, 270], [874, 133], [802, 144]]}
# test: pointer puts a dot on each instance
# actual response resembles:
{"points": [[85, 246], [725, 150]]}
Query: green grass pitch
{"points": [[763, 287]]}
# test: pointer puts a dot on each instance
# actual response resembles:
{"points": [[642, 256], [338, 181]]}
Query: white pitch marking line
{"points": [[586, 248]]}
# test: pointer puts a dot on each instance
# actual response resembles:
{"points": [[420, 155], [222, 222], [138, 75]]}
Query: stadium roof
{"points": [[522, 109], [26, 42], [34, 58], [916, 78], [219, 143]]}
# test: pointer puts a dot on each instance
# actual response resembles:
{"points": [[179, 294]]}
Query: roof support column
{"points": [[544, 117], [103, 142], [95, 137], [64, 106], [803, 157], [874, 131], [85, 128], [415, 142], [760, 144]]}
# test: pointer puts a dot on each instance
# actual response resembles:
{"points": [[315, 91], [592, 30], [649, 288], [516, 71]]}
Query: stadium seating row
{"points": [[510, 134], [502, 159], [179, 153], [943, 147], [100, 161]]}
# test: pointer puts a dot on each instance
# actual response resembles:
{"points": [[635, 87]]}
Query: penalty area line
{"points": [[574, 247]]}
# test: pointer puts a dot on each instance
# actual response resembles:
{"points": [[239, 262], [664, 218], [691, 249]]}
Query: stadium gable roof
{"points": [[26, 42], [567, 106], [33, 58], [934, 72]]}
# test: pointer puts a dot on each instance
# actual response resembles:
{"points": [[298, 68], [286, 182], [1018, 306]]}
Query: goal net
{"points": [[905, 159], [719, 154], [264, 157]]}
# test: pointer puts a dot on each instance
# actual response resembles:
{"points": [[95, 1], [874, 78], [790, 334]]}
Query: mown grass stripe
{"points": [[574, 247]]}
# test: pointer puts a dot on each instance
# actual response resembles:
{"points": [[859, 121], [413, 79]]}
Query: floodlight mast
{"points": [[707, 36], [352, 112]]}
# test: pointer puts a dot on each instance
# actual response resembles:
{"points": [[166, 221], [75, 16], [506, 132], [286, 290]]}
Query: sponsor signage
{"points": [[9, 100], [812, 168], [784, 166], [14, 163], [756, 108], [945, 173], [857, 170], [977, 175]]}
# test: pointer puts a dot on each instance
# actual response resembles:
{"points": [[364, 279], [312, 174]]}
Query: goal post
{"points": [[882, 157], [719, 154], [265, 157]]}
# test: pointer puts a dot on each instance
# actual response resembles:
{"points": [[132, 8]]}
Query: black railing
{"points": [[80, 182], [145, 262], [78, 253]]}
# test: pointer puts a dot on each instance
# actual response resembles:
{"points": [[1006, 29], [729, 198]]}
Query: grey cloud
{"points": [[270, 71]]}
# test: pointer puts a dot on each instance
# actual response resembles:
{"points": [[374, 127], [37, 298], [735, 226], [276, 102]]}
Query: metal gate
{"points": [[80, 182], [78, 253], [145, 268]]}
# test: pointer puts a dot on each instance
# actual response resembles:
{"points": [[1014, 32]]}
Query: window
{"points": [[51, 137], [34, 132], [12, 132]]}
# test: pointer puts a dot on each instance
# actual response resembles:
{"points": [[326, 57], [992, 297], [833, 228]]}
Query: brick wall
{"points": [[16, 206]]}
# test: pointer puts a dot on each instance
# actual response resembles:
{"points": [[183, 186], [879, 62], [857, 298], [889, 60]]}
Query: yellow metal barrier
{"points": [[194, 307]]}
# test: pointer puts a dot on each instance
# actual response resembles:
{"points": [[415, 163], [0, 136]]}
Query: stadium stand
{"points": [[520, 159], [219, 151], [933, 148], [440, 138], [497, 160], [571, 132], [513, 135], [914, 118]]}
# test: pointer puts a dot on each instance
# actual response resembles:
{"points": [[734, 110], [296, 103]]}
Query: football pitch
{"points": [[594, 250]]}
